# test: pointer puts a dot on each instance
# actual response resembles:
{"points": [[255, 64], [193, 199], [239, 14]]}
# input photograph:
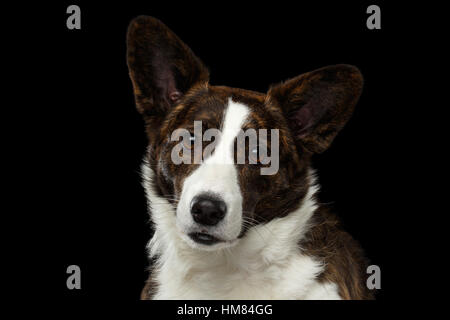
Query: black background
{"points": [[90, 139]]}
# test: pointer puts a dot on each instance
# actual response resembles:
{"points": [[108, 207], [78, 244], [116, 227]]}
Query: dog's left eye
{"points": [[189, 143]]}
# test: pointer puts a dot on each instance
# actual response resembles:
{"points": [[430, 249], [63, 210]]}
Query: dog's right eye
{"points": [[188, 144], [253, 156]]}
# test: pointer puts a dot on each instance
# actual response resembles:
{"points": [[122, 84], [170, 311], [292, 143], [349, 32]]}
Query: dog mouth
{"points": [[204, 238]]}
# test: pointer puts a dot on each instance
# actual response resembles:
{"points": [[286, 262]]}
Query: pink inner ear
{"points": [[302, 120], [175, 95], [310, 114]]}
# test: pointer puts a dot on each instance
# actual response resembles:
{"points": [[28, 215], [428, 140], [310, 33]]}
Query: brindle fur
{"points": [[172, 90]]}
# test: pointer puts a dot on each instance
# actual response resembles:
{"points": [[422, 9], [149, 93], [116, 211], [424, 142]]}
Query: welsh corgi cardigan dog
{"points": [[224, 230]]}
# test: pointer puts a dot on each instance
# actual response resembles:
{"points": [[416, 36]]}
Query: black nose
{"points": [[208, 210]]}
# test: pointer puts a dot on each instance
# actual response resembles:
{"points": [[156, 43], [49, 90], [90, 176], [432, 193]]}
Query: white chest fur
{"points": [[265, 264], [219, 278]]}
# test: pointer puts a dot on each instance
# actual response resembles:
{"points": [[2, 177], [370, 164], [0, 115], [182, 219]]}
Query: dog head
{"points": [[216, 198]]}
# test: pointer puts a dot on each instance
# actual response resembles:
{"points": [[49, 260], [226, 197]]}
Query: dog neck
{"points": [[265, 246]]}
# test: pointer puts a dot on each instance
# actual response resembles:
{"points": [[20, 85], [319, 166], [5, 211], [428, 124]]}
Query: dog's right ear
{"points": [[162, 67]]}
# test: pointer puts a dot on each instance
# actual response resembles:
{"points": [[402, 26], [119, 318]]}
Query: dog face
{"points": [[215, 197]]}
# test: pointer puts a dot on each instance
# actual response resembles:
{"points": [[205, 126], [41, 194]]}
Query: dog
{"points": [[225, 230]]}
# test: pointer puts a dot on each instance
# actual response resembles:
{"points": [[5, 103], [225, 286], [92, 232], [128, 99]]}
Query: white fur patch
{"points": [[265, 264], [217, 174]]}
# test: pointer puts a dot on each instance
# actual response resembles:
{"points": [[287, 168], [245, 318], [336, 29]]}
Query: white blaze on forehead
{"points": [[234, 118], [217, 174]]}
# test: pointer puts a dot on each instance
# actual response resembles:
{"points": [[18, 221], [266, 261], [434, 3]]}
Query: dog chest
{"points": [[295, 278]]}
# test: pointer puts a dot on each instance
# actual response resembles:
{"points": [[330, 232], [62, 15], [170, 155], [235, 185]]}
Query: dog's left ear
{"points": [[317, 104]]}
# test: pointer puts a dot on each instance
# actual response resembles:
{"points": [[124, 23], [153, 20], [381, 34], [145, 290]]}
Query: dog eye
{"points": [[188, 144], [253, 155]]}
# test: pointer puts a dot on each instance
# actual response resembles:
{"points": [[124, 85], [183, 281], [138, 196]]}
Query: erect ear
{"points": [[317, 104], [162, 68]]}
